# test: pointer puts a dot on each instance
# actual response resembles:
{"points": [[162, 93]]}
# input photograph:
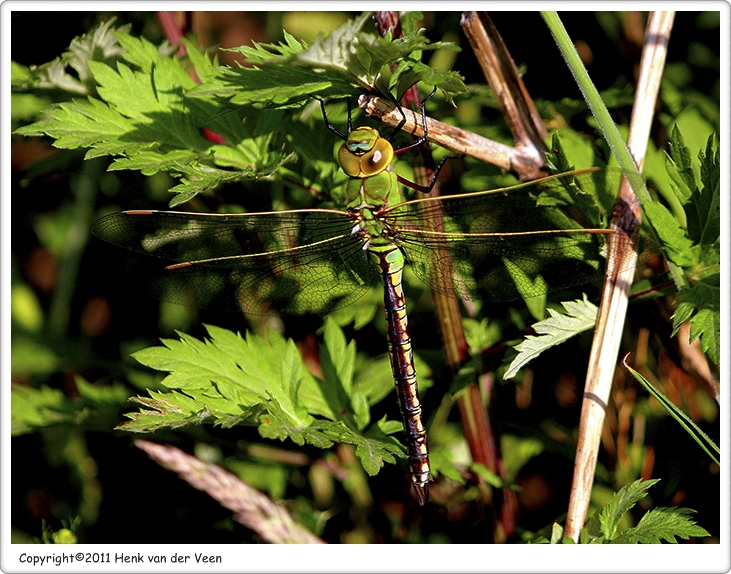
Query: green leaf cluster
{"points": [[146, 110], [691, 241], [686, 228], [657, 525], [143, 118], [230, 380], [346, 62], [95, 408]]}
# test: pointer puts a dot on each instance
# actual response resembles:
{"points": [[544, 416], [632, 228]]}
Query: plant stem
{"points": [[596, 104], [612, 311]]}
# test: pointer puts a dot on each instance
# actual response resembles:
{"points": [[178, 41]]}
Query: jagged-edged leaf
{"points": [[36, 408], [580, 316], [655, 526], [662, 524], [227, 367], [99, 44], [229, 380], [144, 119], [375, 447], [700, 304], [695, 246], [33, 409], [342, 64], [626, 498]]}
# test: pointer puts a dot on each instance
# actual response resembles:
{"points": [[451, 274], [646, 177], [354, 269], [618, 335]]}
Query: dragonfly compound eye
{"points": [[365, 156]]}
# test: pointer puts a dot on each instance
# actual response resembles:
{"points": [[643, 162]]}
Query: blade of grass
{"points": [[684, 420]]}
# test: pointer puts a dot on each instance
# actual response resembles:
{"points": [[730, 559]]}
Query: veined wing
{"points": [[292, 262], [504, 244]]}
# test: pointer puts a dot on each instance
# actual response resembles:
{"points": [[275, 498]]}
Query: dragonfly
{"points": [[471, 246]]}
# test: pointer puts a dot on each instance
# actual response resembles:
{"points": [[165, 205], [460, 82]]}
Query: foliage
{"points": [[65, 535], [696, 246], [579, 316], [254, 135], [229, 380], [34, 409], [656, 525], [150, 108]]}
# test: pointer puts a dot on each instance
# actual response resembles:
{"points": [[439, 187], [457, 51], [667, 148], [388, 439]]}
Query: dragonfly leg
{"points": [[331, 127], [422, 139], [426, 188], [416, 143]]}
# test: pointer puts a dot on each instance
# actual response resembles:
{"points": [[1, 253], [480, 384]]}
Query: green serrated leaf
{"points": [[229, 368], [697, 250], [229, 380], [337, 360], [164, 410], [80, 124], [692, 243], [345, 62], [374, 448], [698, 246], [623, 500], [37, 408], [677, 246], [205, 68], [662, 524], [580, 316], [99, 44], [700, 304], [276, 85], [342, 51], [275, 424], [148, 123], [271, 53], [144, 55]]}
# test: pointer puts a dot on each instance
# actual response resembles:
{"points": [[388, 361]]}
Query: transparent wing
{"points": [[292, 262], [500, 245]]}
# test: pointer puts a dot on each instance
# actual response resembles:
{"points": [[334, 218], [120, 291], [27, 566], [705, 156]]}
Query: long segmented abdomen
{"points": [[390, 260]]}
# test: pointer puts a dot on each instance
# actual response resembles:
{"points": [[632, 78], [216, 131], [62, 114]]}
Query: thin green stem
{"points": [[596, 104]]}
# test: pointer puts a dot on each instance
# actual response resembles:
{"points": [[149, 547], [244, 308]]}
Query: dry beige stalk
{"points": [[613, 307], [251, 508]]}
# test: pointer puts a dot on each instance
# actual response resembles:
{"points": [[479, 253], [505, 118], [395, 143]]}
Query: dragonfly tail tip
{"points": [[422, 493]]}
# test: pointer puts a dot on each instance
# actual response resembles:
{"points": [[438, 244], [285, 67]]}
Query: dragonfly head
{"points": [[365, 153]]}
